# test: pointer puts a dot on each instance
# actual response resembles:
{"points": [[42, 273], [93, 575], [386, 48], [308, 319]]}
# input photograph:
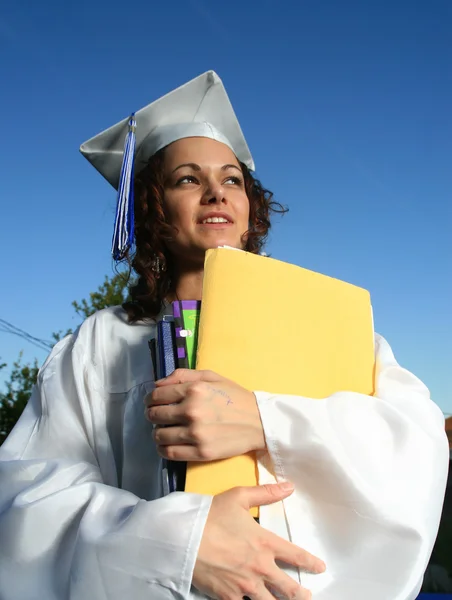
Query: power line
{"points": [[12, 327], [7, 327], [41, 347]]}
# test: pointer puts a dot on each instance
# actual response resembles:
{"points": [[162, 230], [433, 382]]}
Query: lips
{"points": [[215, 218]]}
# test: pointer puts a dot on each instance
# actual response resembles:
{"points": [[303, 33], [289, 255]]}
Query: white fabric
{"points": [[202, 103], [167, 134], [81, 512]]}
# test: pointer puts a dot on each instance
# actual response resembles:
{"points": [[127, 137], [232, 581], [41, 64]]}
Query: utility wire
{"points": [[7, 327], [41, 347], [12, 328]]}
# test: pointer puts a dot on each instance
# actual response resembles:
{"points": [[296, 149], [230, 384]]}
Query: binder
{"points": [[275, 327]]}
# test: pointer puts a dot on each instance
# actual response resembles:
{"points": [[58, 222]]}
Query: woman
{"points": [[82, 511]]}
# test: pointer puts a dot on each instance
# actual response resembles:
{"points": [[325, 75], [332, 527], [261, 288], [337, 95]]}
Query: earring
{"points": [[158, 266], [155, 265]]}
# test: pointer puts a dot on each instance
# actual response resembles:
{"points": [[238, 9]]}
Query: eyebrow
{"points": [[193, 166], [196, 167], [226, 167]]}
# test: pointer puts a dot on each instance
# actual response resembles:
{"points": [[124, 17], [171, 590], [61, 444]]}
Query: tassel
{"points": [[124, 221]]}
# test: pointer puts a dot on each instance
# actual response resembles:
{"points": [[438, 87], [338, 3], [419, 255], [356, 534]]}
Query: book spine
{"points": [[166, 348], [166, 364]]}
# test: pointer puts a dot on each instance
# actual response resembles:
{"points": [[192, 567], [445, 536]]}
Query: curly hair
{"points": [[153, 232]]}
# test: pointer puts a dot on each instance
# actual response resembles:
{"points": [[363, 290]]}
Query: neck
{"points": [[188, 283]]}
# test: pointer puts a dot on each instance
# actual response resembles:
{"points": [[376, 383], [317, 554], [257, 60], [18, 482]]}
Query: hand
{"points": [[210, 417], [236, 557]]}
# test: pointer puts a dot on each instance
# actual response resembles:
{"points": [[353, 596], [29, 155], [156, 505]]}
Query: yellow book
{"points": [[275, 327]]}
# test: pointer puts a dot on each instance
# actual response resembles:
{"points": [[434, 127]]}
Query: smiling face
{"points": [[205, 197]]}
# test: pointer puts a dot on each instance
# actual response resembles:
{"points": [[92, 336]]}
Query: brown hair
{"points": [[153, 232]]}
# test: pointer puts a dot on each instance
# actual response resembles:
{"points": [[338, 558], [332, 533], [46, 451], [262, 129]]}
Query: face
{"points": [[205, 197]]}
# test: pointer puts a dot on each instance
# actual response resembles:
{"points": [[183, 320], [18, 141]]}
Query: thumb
{"points": [[266, 494]]}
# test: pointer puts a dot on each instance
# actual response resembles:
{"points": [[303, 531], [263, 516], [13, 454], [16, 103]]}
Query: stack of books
{"points": [[269, 326]]}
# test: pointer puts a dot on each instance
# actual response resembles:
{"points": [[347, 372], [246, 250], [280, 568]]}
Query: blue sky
{"points": [[346, 107]]}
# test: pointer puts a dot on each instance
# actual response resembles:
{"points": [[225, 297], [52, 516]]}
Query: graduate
{"points": [[354, 486]]}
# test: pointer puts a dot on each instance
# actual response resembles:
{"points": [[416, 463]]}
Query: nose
{"points": [[214, 193]]}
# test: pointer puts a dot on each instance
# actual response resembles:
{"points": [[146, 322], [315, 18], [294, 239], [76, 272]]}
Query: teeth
{"points": [[215, 220]]}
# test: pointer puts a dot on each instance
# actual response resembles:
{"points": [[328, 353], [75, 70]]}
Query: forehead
{"points": [[199, 150]]}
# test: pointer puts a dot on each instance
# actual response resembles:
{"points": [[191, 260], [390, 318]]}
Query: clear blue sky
{"points": [[346, 107]]}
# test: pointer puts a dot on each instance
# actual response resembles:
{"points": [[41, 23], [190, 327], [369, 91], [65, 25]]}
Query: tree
{"points": [[111, 292], [18, 391], [22, 378]]}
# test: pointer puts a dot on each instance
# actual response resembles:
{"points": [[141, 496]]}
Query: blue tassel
{"points": [[124, 221]]}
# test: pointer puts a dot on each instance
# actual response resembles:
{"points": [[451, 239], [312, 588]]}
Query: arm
{"points": [[64, 533], [369, 475]]}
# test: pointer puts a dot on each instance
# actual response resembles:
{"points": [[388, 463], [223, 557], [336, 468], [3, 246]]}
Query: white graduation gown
{"points": [[81, 509]]}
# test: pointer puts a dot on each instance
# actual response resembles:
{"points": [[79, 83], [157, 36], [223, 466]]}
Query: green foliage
{"points": [[18, 387], [18, 391], [111, 293]]}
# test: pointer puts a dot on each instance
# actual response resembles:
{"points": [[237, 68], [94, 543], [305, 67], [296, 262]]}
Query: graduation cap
{"points": [[199, 108]]}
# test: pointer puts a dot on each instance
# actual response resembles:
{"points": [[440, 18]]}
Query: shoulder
{"points": [[110, 348], [110, 325], [106, 324]]}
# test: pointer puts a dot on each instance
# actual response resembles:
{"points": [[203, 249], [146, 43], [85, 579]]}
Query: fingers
{"points": [[294, 555], [280, 582], [173, 414], [261, 495], [170, 393], [188, 376], [250, 591], [183, 452], [172, 436], [167, 395], [282, 550], [182, 443]]}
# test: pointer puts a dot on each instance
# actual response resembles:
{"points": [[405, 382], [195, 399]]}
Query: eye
{"points": [[233, 181], [186, 179]]}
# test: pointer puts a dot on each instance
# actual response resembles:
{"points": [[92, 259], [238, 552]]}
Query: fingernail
{"points": [[322, 567], [286, 485]]}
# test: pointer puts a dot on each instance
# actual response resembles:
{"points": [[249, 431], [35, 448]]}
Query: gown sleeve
{"points": [[370, 475], [64, 533]]}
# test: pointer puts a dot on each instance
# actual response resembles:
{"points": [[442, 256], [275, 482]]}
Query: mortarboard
{"points": [[199, 108]]}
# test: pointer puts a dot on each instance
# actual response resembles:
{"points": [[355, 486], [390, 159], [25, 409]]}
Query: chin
{"points": [[223, 240], [221, 243]]}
